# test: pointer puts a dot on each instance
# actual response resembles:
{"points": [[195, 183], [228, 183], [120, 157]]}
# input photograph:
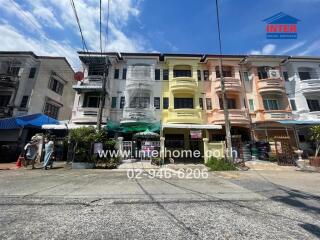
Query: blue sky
{"points": [[48, 27]]}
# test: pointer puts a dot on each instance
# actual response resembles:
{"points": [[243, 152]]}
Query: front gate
{"points": [[127, 150], [284, 151]]}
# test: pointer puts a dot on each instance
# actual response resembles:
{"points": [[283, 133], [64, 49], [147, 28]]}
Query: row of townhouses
{"points": [[183, 92]]}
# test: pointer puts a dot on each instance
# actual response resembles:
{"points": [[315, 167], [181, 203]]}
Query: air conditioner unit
{"points": [[272, 73]]}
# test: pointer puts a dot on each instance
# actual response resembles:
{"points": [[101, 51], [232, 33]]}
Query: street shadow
{"points": [[311, 228]]}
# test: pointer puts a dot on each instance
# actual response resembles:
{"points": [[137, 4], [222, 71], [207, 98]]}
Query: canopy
{"points": [[27, 121], [133, 128], [146, 134]]}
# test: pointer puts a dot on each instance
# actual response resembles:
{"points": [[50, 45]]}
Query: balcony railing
{"points": [[274, 115], [8, 81], [185, 116], [271, 85], [87, 114], [236, 116], [138, 84], [138, 115], [186, 84], [5, 112], [230, 83], [310, 86]]}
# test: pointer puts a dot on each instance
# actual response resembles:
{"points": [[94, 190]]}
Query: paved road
{"points": [[100, 204]]}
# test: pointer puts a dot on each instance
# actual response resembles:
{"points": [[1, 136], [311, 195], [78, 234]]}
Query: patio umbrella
{"points": [[146, 134]]}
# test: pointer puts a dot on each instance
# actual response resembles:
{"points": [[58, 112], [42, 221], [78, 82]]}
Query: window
{"points": [[91, 100], [251, 105], [183, 103], [32, 72], [116, 74], [122, 102], [24, 101], [51, 110], [285, 76], [114, 102], [165, 74], [157, 74], [304, 75], [293, 105], [313, 105], [56, 86], [181, 73], [246, 76], [124, 73], [165, 103], [209, 103], [4, 100], [231, 103], [206, 75], [14, 71], [302, 138], [270, 104], [156, 102], [199, 75], [140, 102], [95, 70], [201, 103], [225, 70]]}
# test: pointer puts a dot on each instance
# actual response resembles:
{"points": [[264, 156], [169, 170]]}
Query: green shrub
{"points": [[220, 164], [273, 158]]}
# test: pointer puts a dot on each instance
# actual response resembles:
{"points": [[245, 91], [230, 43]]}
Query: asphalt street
{"points": [[103, 204]]}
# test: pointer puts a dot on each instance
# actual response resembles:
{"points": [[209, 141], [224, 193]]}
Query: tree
{"points": [[315, 136]]}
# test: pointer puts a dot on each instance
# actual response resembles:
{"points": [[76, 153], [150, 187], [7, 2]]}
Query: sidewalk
{"points": [[8, 166]]}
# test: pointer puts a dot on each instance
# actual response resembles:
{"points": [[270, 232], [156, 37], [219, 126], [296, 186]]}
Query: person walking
{"points": [[31, 151], [48, 154]]}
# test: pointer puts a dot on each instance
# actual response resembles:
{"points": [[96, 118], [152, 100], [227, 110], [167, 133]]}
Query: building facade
{"points": [[183, 93], [35, 84]]}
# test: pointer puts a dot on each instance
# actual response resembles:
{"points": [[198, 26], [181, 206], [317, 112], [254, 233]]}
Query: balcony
{"points": [[183, 84], [271, 85], [276, 115], [139, 84], [87, 115], [8, 81], [141, 115], [184, 116], [310, 85], [236, 117], [231, 84]]}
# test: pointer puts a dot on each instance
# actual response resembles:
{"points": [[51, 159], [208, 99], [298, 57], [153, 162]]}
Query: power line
{"points": [[106, 39], [100, 27]]}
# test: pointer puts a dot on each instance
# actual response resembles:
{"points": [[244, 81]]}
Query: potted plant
{"points": [[315, 136]]}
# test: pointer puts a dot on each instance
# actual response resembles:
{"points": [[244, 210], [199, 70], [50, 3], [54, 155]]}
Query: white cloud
{"points": [[266, 50], [313, 49], [292, 47]]}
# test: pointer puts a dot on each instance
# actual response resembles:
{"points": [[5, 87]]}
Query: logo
{"points": [[281, 26]]}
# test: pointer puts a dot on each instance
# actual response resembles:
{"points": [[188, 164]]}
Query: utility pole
{"points": [[103, 92], [223, 91]]}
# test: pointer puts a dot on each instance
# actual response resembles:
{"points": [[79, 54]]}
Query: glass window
{"points": [[209, 103], [114, 102], [91, 100], [270, 104], [293, 104], [24, 101], [56, 86], [14, 71], [251, 105], [181, 73], [32, 72], [231, 103], [206, 75], [156, 102], [165, 74], [4, 100], [157, 74], [140, 102], [183, 103], [199, 75], [51, 110], [304, 75], [201, 103], [116, 74], [246, 76], [165, 103], [226, 70], [95, 70], [313, 105], [124, 73], [285, 76], [122, 102]]}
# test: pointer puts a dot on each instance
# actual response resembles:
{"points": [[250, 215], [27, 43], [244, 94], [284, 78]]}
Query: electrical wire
{"points": [[106, 39]]}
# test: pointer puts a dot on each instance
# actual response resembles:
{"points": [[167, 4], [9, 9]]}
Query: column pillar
{"points": [[162, 149], [205, 149], [120, 146]]}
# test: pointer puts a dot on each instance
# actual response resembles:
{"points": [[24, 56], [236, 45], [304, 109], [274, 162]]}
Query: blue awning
{"points": [[28, 121], [299, 122]]}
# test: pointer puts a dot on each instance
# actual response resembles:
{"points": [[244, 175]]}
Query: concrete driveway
{"points": [[103, 204]]}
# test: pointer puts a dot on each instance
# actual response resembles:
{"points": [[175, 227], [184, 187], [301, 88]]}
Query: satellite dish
{"points": [[78, 76]]}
